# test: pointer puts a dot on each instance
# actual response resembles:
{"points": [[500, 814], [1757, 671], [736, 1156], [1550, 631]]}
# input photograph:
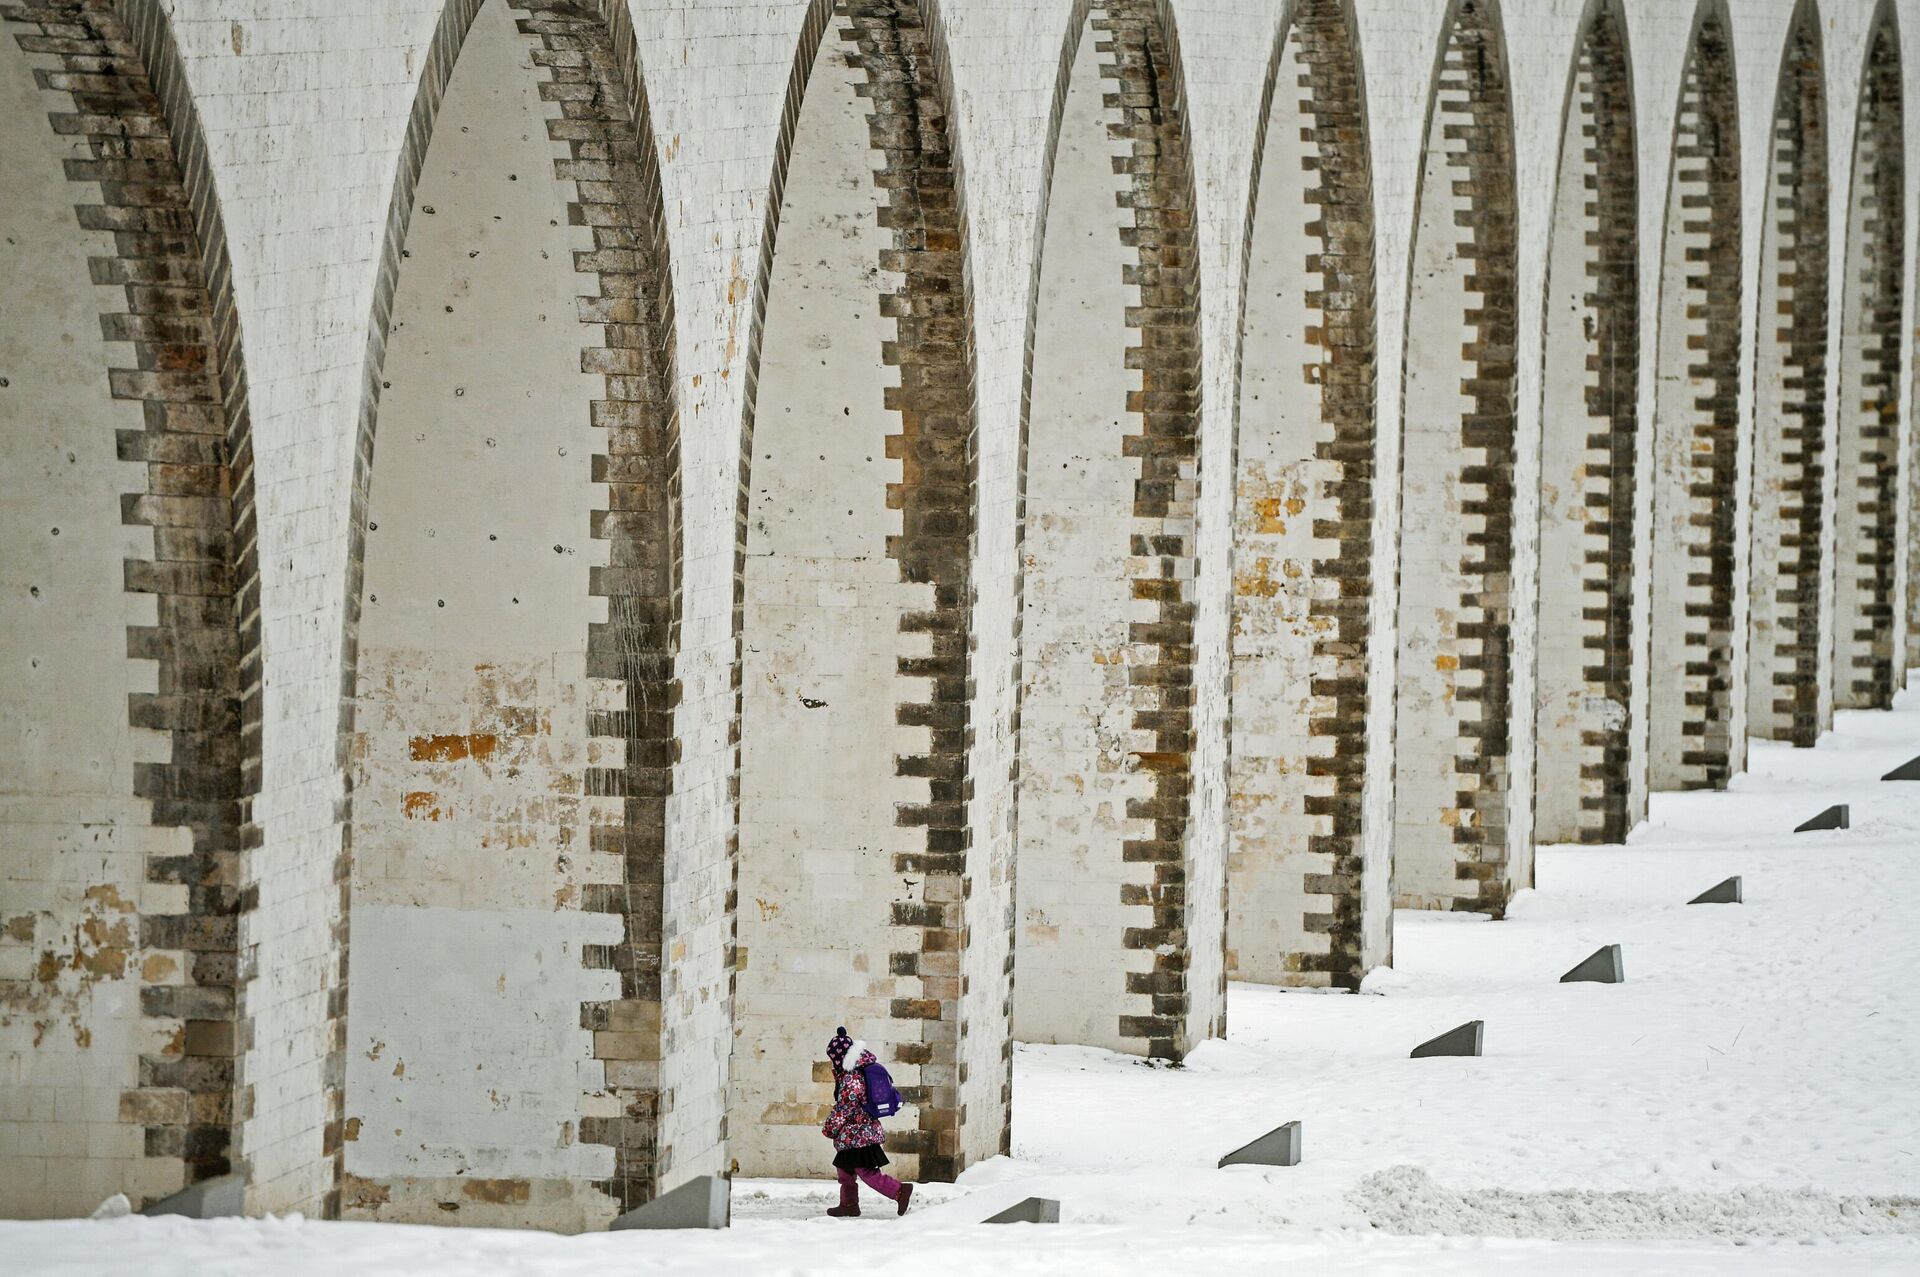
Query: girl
{"points": [[855, 1133]]}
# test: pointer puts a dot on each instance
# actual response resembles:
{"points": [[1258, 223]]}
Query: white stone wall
{"points": [[824, 603], [1278, 485], [1077, 739], [74, 841], [467, 1066], [305, 104], [1566, 422]]}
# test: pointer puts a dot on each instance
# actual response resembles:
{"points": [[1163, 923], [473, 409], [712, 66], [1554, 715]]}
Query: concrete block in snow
{"points": [[215, 1198], [1721, 893], [1034, 1210], [1834, 817], [1278, 1147], [706, 1202], [1909, 770], [1603, 967], [1465, 1040]]}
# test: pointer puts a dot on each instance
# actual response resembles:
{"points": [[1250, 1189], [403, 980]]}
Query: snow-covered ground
{"points": [[1749, 1098]]}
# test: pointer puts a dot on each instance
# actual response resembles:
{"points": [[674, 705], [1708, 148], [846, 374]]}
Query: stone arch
{"points": [[136, 743], [1105, 938], [513, 638], [1456, 480], [1303, 527], [1868, 661], [1589, 428], [1786, 697], [1696, 431], [855, 585]]}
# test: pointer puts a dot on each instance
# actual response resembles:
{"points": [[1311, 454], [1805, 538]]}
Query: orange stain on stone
{"points": [[451, 749], [421, 805]]}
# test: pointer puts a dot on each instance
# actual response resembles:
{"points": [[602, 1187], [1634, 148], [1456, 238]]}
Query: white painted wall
{"points": [[823, 608], [74, 841], [1433, 545], [1077, 738], [466, 1060], [1280, 490]]}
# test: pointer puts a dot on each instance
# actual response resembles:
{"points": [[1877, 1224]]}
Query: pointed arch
{"points": [[1868, 665], [512, 633], [1456, 533], [858, 503], [1108, 938], [1786, 698], [1589, 436], [1696, 429], [1303, 582], [139, 461]]}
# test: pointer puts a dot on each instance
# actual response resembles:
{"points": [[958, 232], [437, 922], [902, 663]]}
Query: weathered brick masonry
{"points": [[1590, 425], [1784, 700], [592, 72], [1457, 476], [1696, 504], [1303, 555], [1867, 463], [1107, 635], [831, 938], [932, 348], [144, 182]]}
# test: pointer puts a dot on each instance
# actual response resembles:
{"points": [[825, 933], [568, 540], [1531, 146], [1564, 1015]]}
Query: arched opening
{"points": [[1867, 463], [1785, 690], [1456, 493], [1303, 911], [514, 693], [130, 697], [1104, 940], [1696, 434], [1589, 424], [860, 907]]}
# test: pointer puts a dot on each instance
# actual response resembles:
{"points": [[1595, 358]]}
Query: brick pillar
{"points": [[1303, 530], [1784, 682], [1696, 441], [1867, 461], [195, 495], [1107, 629], [1451, 848], [1590, 424]]}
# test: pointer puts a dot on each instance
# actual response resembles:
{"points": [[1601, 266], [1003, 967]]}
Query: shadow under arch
{"points": [[1306, 905], [853, 594], [1451, 846], [512, 631], [1589, 437], [1120, 934], [1869, 656], [1787, 698], [133, 705], [1690, 668]]}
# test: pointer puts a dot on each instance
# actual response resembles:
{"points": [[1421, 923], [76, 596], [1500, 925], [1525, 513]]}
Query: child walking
{"points": [[855, 1132]]}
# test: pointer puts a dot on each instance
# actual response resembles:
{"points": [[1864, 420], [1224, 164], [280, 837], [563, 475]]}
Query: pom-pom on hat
{"points": [[838, 1046]]}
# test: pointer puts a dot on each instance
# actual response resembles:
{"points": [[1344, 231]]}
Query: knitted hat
{"points": [[838, 1045]]}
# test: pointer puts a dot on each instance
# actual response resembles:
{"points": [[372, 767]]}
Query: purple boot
{"points": [[849, 1206]]}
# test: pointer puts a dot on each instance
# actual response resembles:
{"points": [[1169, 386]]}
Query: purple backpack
{"points": [[882, 1100]]}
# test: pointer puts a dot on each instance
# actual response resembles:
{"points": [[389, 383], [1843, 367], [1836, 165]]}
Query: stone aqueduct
{"points": [[554, 551]]}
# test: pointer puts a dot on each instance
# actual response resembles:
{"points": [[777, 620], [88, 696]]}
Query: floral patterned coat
{"points": [[849, 1125]]}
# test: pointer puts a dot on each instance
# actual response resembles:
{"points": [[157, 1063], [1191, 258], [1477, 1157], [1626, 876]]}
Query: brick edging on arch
{"points": [[122, 79], [1332, 99], [1784, 678], [586, 59]]}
